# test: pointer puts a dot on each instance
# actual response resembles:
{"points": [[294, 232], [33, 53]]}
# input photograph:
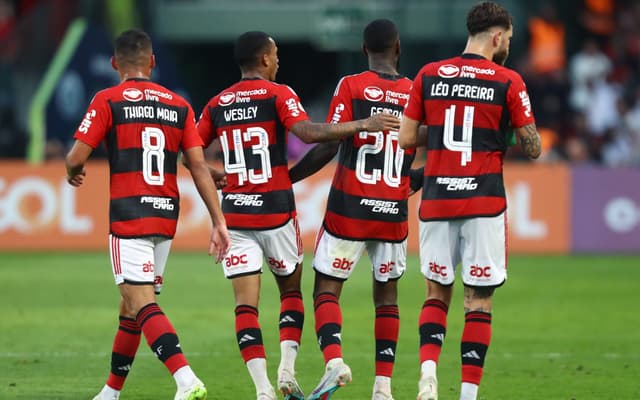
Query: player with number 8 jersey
{"points": [[144, 126]]}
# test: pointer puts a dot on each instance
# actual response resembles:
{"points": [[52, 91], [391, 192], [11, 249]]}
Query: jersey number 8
{"points": [[153, 147]]}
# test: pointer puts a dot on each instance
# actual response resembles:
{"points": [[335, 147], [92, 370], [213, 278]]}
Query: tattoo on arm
{"points": [[530, 140]]}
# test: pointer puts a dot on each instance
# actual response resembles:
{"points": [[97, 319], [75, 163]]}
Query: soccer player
{"points": [[366, 209], [469, 104], [144, 126], [251, 120]]}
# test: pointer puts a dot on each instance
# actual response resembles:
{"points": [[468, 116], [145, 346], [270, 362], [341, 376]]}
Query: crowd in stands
{"points": [[587, 102], [585, 95]]}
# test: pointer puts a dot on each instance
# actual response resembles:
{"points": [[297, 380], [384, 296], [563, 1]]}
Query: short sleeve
{"points": [[190, 137], [204, 126], [518, 103], [340, 107], [289, 108], [96, 122], [415, 105]]}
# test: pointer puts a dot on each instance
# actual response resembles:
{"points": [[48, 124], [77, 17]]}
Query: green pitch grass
{"points": [[564, 328]]}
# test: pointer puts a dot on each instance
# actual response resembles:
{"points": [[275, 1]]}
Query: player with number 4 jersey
{"points": [[469, 105]]}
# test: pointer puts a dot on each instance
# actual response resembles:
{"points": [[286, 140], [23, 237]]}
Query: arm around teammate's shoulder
{"points": [[530, 140], [314, 132]]}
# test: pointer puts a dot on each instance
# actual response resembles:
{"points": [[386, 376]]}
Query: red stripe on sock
{"points": [[433, 311], [327, 311]]}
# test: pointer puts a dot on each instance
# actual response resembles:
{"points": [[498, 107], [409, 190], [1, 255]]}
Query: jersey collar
{"points": [[472, 56]]}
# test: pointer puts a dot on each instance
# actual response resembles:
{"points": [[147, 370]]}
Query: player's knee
{"points": [[480, 292]]}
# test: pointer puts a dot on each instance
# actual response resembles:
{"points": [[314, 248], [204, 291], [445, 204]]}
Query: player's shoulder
{"points": [[282, 89]]}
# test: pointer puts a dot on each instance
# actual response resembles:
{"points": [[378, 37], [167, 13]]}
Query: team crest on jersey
{"points": [[448, 71], [227, 98], [132, 94], [373, 93]]}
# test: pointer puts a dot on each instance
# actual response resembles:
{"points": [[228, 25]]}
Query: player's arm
{"points": [[530, 140], [408, 135], [75, 160], [315, 159], [314, 132], [219, 176], [220, 241]]}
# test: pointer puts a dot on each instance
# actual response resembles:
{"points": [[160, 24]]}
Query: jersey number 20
{"points": [[392, 159]]}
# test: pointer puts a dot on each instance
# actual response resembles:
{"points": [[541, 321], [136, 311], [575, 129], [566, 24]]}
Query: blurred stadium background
{"points": [[576, 210]]}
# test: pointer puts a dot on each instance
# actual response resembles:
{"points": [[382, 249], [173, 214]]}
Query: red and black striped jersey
{"points": [[368, 196], [252, 119], [144, 126], [469, 105]]}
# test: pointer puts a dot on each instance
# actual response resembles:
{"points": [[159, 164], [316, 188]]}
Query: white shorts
{"points": [[281, 248], [139, 261], [479, 244], [338, 257]]}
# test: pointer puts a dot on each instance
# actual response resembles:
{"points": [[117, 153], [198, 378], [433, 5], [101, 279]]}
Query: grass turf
{"points": [[563, 328]]}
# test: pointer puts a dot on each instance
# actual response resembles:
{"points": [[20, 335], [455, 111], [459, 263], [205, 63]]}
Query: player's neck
{"points": [[254, 75], [479, 47], [382, 66], [133, 74]]}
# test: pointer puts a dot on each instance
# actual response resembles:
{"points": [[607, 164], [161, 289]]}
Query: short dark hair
{"points": [[486, 15], [248, 48], [380, 35], [133, 47]]}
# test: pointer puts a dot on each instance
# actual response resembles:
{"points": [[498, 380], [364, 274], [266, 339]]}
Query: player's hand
{"points": [[220, 242], [416, 180], [382, 122], [219, 178], [77, 179]]}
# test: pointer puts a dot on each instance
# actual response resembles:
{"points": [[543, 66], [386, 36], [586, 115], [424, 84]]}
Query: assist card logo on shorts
{"points": [[373, 93], [227, 98], [448, 71], [132, 94]]}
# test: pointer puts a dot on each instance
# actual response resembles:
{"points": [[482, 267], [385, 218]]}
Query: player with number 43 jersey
{"points": [[252, 119]]}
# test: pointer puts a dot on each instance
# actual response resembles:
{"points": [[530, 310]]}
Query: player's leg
{"points": [[333, 262], [483, 269], [388, 262], [136, 262], [243, 266], [125, 342], [283, 252], [439, 256]]}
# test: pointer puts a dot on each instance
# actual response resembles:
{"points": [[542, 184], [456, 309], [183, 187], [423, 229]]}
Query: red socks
{"points": [[475, 343], [387, 326], [125, 346], [291, 316], [161, 337], [328, 325], [248, 333]]}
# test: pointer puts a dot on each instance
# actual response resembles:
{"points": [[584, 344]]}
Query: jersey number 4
{"points": [[463, 146], [260, 149]]}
